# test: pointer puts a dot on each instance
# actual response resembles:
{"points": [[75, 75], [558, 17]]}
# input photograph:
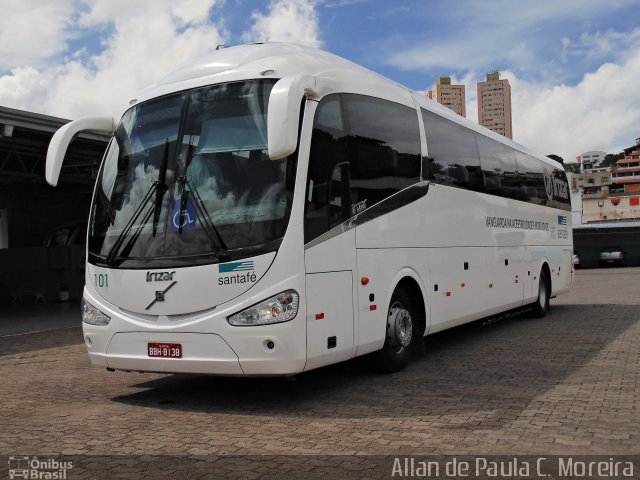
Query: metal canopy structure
{"points": [[32, 211], [24, 138]]}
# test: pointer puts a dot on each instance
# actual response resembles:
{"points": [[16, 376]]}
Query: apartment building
{"points": [[591, 159], [626, 173], [614, 194], [494, 104], [451, 96]]}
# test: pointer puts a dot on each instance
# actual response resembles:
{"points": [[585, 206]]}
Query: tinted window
{"points": [[384, 148], [461, 157], [531, 174], [557, 188], [363, 150], [498, 168], [324, 206], [453, 154]]}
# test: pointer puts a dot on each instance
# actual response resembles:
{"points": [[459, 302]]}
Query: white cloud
{"points": [[24, 82], [342, 3], [490, 51], [184, 12], [602, 112], [140, 43], [293, 21], [140, 48], [601, 45], [32, 31], [503, 33], [519, 15]]}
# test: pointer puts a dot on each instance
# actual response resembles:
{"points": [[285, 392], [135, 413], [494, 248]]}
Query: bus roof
{"points": [[270, 60], [330, 72]]}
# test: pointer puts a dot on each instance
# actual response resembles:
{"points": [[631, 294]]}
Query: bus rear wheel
{"points": [[541, 305], [402, 323]]}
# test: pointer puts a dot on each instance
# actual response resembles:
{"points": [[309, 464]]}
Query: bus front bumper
{"points": [[201, 353]]}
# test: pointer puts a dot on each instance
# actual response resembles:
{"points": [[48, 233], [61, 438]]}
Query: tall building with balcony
{"points": [[451, 96], [494, 104], [626, 174], [615, 194]]}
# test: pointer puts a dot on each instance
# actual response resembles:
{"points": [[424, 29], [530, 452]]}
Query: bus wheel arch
{"points": [[405, 326]]}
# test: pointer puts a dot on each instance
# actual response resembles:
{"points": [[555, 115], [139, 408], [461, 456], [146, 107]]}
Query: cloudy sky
{"points": [[573, 65]]}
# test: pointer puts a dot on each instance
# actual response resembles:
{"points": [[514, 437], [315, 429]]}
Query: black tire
{"points": [[401, 328], [541, 305]]}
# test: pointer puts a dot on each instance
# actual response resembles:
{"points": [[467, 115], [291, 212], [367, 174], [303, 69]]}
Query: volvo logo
{"points": [[160, 295]]}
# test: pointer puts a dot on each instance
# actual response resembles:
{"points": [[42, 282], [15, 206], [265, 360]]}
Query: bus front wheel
{"points": [[541, 305], [402, 324]]}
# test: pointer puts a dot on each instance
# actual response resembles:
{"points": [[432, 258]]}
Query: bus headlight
{"points": [[277, 309], [92, 315]]}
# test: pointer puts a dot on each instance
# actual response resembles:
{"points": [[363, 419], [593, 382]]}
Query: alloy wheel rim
{"points": [[399, 327]]}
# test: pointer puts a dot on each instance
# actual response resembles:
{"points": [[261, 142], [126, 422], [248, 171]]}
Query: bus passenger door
{"points": [[330, 265], [330, 257]]}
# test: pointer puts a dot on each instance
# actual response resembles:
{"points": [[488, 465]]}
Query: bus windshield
{"points": [[186, 180]]}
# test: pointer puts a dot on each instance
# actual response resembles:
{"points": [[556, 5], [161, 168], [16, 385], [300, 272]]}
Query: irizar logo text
{"points": [[160, 276], [555, 187]]}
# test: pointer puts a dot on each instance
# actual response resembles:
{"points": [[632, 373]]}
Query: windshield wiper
{"points": [[111, 212], [162, 187], [158, 188], [201, 210], [125, 231], [202, 214]]}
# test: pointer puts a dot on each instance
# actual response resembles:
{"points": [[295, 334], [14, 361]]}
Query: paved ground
{"points": [[565, 384], [19, 318]]}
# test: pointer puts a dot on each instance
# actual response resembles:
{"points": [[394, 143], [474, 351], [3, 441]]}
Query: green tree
{"points": [[611, 159]]}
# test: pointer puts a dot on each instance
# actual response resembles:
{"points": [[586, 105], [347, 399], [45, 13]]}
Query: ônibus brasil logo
{"points": [[34, 467]]}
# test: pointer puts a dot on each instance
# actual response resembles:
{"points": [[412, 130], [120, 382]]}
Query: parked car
{"points": [[611, 256], [576, 260]]}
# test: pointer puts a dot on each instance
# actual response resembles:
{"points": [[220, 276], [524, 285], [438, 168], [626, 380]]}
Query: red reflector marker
{"points": [[491, 285], [448, 294], [364, 280], [319, 316], [462, 285], [373, 307]]}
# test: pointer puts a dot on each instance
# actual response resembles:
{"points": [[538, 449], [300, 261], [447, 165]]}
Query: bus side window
{"points": [[498, 168], [531, 174], [454, 152], [339, 204], [384, 148], [324, 206]]}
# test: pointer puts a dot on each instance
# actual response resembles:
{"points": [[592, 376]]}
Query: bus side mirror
{"points": [[64, 136], [284, 113]]}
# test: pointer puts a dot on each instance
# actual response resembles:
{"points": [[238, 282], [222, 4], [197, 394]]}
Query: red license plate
{"points": [[164, 350]]}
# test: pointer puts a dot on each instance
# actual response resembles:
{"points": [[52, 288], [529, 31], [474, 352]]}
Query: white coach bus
{"points": [[268, 209]]}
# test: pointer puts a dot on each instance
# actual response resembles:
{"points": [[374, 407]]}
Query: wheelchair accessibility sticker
{"points": [[188, 220]]}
